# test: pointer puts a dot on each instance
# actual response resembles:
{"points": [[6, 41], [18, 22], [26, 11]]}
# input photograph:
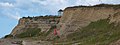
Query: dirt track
{"points": [[23, 42]]}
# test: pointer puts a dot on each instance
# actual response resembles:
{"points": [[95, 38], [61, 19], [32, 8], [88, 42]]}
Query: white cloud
{"points": [[15, 16], [41, 2], [6, 4], [51, 6], [50, 2], [87, 2], [94, 2], [38, 7]]}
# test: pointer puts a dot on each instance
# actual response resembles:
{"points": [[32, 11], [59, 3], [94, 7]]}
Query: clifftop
{"points": [[97, 6]]}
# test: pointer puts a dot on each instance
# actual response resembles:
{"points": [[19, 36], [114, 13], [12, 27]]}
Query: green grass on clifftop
{"points": [[96, 33]]}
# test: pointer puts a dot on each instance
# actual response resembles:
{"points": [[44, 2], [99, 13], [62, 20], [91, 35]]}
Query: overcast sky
{"points": [[12, 10]]}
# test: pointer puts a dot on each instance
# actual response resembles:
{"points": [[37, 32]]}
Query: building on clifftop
{"points": [[60, 12]]}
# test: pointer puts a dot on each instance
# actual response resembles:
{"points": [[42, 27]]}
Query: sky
{"points": [[12, 10]]}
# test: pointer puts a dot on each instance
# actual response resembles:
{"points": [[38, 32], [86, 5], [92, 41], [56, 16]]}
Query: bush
{"points": [[8, 36], [30, 32]]}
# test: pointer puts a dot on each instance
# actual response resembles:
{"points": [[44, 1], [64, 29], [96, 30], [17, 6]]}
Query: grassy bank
{"points": [[99, 32]]}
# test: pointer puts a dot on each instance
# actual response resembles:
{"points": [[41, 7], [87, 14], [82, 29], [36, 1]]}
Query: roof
{"points": [[60, 10]]}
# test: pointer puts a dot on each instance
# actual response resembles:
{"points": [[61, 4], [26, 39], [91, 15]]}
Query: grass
{"points": [[35, 33], [30, 32], [99, 5], [99, 32], [51, 30]]}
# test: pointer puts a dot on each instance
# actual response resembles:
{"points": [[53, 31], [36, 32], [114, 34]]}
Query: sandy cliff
{"points": [[75, 18], [42, 22]]}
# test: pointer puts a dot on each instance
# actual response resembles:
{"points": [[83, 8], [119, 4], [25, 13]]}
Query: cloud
{"points": [[42, 7], [49, 2], [51, 6], [6, 5], [8, 11], [94, 2], [15, 16]]}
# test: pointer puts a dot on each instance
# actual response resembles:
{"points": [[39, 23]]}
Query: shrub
{"points": [[30, 32], [8, 36]]}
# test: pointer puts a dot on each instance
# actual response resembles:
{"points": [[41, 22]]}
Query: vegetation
{"points": [[56, 38], [51, 30], [96, 33], [35, 32], [8, 36], [116, 6], [30, 32], [28, 17], [41, 17]]}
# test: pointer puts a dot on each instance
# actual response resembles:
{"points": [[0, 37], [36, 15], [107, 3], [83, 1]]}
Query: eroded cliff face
{"points": [[75, 18], [42, 22], [19, 27], [77, 22], [72, 20]]}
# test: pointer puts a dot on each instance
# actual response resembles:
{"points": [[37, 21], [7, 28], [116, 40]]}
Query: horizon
{"points": [[13, 10]]}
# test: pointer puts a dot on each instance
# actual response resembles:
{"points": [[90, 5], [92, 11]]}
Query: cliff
{"points": [[77, 17], [43, 23], [85, 25]]}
